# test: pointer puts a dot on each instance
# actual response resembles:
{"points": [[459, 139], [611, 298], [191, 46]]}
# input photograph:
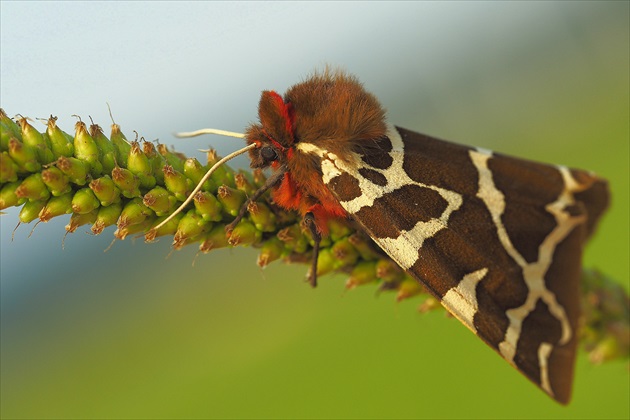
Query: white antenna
{"points": [[211, 170]]}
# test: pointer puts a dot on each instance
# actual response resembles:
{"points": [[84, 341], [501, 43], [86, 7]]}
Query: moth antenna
{"points": [[204, 179], [210, 131]]}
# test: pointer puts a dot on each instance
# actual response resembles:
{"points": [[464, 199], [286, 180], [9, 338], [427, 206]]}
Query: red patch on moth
{"points": [[288, 194], [286, 112]]}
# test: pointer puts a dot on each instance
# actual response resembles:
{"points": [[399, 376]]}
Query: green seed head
{"points": [[106, 216], [208, 206], [76, 170], [223, 175], [195, 171], [34, 139], [176, 160], [8, 198], [244, 233], [106, 148], [11, 127], [56, 206], [84, 201], [294, 240], [61, 142], [85, 149], [134, 212], [231, 199], [30, 211], [77, 220], [177, 183], [138, 163], [33, 188], [105, 190], [262, 216], [24, 156], [345, 253], [127, 182], [271, 250], [160, 201], [8, 168], [189, 227], [363, 273], [56, 181], [216, 238], [121, 145]]}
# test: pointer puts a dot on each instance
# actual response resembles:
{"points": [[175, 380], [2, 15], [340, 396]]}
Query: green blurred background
{"points": [[139, 333]]}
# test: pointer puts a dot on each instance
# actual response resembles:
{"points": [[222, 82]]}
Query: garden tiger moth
{"points": [[498, 240]]}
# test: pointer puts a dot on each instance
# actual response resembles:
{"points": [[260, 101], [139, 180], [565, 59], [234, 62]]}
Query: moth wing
{"points": [[497, 239]]}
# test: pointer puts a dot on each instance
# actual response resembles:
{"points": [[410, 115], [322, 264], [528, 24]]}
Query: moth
{"points": [[497, 239]]}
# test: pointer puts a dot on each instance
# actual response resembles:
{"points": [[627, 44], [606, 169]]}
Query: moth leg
{"points": [[309, 221], [272, 181]]}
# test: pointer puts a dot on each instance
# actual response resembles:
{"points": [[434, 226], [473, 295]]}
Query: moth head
{"points": [[330, 109], [273, 136]]}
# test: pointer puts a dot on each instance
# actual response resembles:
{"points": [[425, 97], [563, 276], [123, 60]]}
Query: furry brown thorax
{"points": [[331, 110]]}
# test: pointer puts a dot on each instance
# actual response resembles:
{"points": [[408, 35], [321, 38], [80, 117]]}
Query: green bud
{"points": [[363, 273], [34, 139], [190, 226], [128, 183], [215, 239], [106, 147], [325, 262], [345, 253], [106, 216], [223, 175], [30, 211], [105, 190], [177, 183], [138, 163], [176, 160], [76, 170], [244, 182], [60, 141], [121, 145], [271, 250], [11, 127], [122, 232], [84, 201], [366, 248], [56, 181], [56, 206], [133, 212], [5, 136], [231, 199], [244, 233], [24, 156], [77, 220], [157, 161], [8, 168], [168, 229], [338, 229], [208, 206], [259, 177], [85, 149], [195, 171], [33, 188], [293, 238], [429, 304], [262, 216], [8, 198], [409, 287], [388, 271], [160, 201]]}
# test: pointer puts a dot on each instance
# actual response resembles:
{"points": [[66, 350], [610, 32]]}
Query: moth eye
{"points": [[268, 153]]}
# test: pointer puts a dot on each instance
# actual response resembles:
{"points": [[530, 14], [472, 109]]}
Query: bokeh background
{"points": [[137, 332]]}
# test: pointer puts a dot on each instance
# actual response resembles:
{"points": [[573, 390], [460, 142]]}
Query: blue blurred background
{"points": [[140, 332]]}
